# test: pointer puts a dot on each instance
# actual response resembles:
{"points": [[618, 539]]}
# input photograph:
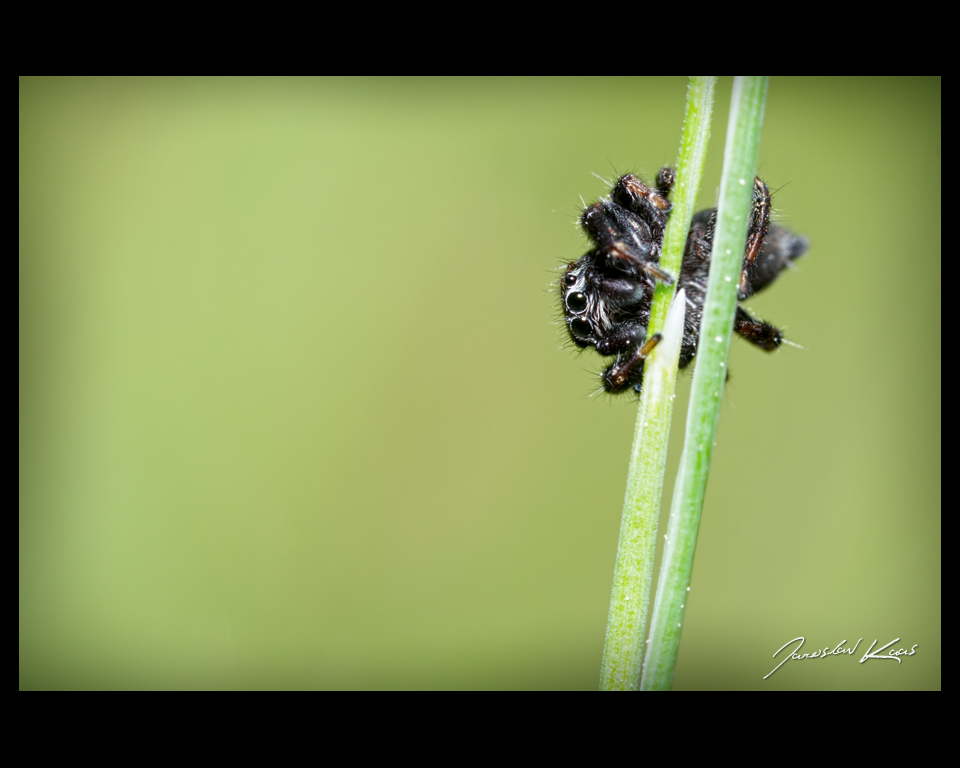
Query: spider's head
{"points": [[579, 303]]}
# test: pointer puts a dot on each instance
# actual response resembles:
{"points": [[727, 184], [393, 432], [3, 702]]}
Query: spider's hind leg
{"points": [[759, 225], [756, 331]]}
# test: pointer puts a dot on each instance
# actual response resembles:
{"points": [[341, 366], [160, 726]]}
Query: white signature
{"points": [[839, 650]]}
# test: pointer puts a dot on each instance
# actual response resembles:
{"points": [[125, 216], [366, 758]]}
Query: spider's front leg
{"points": [[651, 205], [629, 371], [624, 238], [665, 180]]}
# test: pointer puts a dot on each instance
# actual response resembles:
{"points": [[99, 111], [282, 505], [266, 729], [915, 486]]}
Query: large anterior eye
{"points": [[581, 328], [576, 301]]}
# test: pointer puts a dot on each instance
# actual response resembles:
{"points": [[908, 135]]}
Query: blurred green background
{"points": [[294, 410]]}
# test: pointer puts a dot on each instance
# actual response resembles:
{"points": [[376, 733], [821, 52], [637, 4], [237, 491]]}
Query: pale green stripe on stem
{"points": [[630, 597], [736, 191]]}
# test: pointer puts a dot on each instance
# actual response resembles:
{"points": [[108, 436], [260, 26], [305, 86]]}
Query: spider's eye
{"points": [[569, 279], [576, 301], [581, 328]]}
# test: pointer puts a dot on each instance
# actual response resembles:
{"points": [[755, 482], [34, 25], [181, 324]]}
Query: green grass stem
{"points": [[630, 597], [736, 189]]}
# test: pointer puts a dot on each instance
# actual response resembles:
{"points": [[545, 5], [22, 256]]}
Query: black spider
{"points": [[606, 295]]}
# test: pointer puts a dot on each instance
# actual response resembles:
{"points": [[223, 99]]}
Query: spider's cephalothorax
{"points": [[606, 295]]}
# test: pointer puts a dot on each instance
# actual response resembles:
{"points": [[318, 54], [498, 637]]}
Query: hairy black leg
{"points": [[654, 271], [711, 230], [616, 233], [699, 243], [757, 332], [629, 371], [665, 180], [624, 237], [757, 231], [777, 247], [688, 350], [649, 204]]}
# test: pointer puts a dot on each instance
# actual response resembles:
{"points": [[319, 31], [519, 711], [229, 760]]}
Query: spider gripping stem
{"points": [[628, 227], [607, 294], [769, 250], [630, 369], [759, 225]]}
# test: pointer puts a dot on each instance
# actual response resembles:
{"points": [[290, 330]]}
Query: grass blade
{"points": [[630, 597], [736, 188]]}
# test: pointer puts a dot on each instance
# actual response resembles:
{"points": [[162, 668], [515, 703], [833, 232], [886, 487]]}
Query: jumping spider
{"points": [[606, 295]]}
